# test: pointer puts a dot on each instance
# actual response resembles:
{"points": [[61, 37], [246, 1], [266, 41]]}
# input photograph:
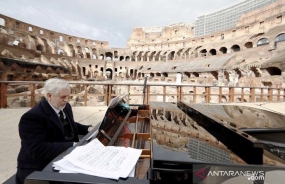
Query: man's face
{"points": [[59, 100]]}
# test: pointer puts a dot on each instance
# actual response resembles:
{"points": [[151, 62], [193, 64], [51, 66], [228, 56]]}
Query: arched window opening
{"points": [[248, 45], [187, 74], [84, 71], [101, 57], [171, 55], [256, 71], [87, 52], [128, 58], [263, 41], [203, 52], [109, 55], [235, 48], [215, 74], [39, 48], [165, 74], [223, 50], [195, 74], [213, 52], [121, 58], [109, 74], [60, 52], [280, 38], [273, 71]]}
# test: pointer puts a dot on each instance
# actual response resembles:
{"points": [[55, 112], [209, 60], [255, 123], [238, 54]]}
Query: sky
{"points": [[108, 20]]}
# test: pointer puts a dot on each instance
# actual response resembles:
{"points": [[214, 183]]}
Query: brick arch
{"points": [[15, 67], [38, 69], [2, 66], [58, 71], [49, 70], [4, 39]]}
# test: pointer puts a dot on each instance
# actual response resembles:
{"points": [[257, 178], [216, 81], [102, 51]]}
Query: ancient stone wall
{"points": [[250, 54]]}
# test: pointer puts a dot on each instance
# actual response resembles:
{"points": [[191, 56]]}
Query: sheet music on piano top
{"points": [[98, 160]]}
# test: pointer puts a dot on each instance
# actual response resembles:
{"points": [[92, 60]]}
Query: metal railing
{"points": [[28, 93]]}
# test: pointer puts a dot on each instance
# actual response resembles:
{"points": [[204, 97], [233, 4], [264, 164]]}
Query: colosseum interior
{"points": [[249, 54]]}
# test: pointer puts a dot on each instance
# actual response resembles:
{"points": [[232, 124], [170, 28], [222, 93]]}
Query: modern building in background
{"points": [[227, 17]]}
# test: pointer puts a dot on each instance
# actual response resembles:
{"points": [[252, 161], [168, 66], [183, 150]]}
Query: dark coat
{"points": [[42, 136]]}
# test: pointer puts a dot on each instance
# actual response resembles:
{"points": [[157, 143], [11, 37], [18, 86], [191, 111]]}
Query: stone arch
{"points": [[248, 45], [215, 74], [235, 48], [15, 67], [262, 41], [49, 70], [61, 52], [128, 58], [2, 66], [165, 74], [72, 51], [109, 73], [273, 71], [187, 74], [40, 48], [38, 69], [145, 56], [280, 38], [171, 55], [87, 51], [58, 71], [151, 56], [213, 52], [223, 50], [109, 55], [79, 52], [116, 55], [121, 58], [195, 74], [94, 53], [224, 99], [203, 52], [84, 71], [48, 48], [3, 39], [156, 58], [256, 71], [186, 53], [101, 56]]}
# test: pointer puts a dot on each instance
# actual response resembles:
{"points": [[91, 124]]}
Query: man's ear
{"points": [[49, 96]]}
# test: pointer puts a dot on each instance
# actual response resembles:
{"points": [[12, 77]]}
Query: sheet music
{"points": [[96, 159]]}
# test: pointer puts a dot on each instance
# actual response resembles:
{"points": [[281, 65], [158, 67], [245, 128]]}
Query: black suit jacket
{"points": [[42, 136]]}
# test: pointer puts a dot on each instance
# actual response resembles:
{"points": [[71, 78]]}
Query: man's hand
{"points": [[90, 128]]}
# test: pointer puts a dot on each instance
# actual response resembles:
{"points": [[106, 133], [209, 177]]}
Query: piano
{"points": [[175, 148]]}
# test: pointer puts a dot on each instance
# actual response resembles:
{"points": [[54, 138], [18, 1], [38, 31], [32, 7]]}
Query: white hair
{"points": [[54, 85]]}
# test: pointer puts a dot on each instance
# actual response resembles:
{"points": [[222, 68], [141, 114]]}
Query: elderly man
{"points": [[47, 129]]}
